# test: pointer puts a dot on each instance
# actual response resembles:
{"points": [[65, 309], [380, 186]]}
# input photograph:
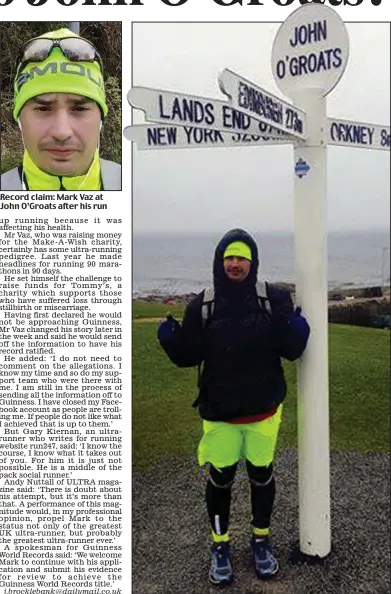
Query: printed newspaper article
{"points": [[66, 210], [60, 414], [61, 309]]}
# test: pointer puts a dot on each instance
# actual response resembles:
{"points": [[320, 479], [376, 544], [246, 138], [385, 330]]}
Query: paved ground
{"points": [[170, 531]]}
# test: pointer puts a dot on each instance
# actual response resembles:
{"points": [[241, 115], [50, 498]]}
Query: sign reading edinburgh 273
{"points": [[257, 103], [310, 50]]}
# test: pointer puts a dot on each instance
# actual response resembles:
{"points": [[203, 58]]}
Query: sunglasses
{"points": [[75, 49]]}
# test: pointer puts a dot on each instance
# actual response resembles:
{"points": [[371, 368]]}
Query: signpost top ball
{"points": [[310, 50]]}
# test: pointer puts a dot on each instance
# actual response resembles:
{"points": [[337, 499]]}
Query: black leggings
{"points": [[218, 495]]}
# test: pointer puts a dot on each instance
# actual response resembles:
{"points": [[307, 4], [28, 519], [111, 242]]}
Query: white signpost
{"points": [[309, 56], [315, 40]]}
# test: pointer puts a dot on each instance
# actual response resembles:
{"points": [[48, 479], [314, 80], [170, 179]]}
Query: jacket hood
{"points": [[219, 276]]}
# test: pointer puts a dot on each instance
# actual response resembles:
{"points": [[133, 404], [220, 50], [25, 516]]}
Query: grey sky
{"points": [[217, 188]]}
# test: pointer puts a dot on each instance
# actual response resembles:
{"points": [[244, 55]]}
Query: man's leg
{"points": [[260, 444], [218, 500], [263, 491], [220, 446], [218, 503]]}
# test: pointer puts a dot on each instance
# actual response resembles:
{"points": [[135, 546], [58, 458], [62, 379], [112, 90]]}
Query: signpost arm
{"points": [[311, 295]]}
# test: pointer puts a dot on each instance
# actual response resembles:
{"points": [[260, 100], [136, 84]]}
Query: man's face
{"points": [[61, 132], [237, 268]]}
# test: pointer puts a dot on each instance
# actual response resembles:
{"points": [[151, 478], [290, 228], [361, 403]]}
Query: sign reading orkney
{"points": [[358, 134], [310, 50]]}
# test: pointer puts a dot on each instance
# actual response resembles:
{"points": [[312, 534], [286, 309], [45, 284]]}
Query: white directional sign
{"points": [[150, 136], [168, 107], [310, 50], [261, 105], [358, 134], [339, 133]]}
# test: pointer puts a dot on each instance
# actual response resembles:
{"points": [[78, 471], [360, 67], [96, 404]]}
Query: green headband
{"points": [[56, 74], [238, 248]]}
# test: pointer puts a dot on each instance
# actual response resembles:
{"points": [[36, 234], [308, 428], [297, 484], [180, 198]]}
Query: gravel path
{"points": [[171, 532]]}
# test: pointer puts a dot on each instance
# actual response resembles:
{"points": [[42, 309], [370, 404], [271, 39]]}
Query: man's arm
{"points": [[184, 344]]}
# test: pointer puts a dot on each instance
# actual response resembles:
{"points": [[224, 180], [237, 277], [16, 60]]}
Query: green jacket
{"points": [[110, 172]]}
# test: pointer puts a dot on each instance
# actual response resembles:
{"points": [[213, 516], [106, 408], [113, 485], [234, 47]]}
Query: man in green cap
{"points": [[59, 105], [238, 330]]}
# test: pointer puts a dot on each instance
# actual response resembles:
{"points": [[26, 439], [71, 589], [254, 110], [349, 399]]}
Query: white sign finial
{"points": [[310, 50]]}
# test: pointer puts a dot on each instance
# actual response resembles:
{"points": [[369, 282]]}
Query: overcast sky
{"points": [[212, 189]]}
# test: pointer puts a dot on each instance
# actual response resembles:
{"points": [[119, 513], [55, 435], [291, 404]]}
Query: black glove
{"points": [[167, 329], [299, 323]]}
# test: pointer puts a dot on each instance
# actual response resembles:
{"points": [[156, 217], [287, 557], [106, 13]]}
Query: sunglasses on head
{"points": [[75, 49]]}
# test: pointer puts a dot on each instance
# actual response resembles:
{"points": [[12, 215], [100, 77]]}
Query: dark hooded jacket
{"points": [[241, 346]]}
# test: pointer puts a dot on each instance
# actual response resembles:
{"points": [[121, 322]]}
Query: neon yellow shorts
{"points": [[223, 444]]}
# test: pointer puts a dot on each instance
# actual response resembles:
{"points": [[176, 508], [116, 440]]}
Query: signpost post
{"points": [[309, 56]]}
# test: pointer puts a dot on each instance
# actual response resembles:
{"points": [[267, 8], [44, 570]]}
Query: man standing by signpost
{"points": [[239, 330]]}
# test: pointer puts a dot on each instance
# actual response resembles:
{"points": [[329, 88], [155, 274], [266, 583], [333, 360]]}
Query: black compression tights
{"points": [[218, 495]]}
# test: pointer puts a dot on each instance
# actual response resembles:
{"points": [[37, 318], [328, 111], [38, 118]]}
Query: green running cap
{"points": [[57, 74], [238, 248]]}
